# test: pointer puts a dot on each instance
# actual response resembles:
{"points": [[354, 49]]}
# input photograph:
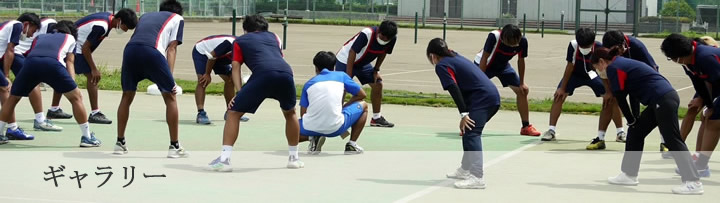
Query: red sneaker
{"points": [[530, 131]]}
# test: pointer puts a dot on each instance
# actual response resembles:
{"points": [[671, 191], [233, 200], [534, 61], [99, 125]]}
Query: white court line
{"points": [[684, 88], [445, 183], [37, 200]]}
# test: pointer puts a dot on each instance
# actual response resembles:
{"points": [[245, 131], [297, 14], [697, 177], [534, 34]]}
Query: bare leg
{"points": [[75, 98], [606, 114], [36, 100], [522, 103], [56, 99], [617, 116], [92, 90], [232, 127], [292, 127], [8, 107], [357, 128], [199, 95], [229, 90], [556, 109], [123, 112], [376, 96], [171, 115], [688, 122]]}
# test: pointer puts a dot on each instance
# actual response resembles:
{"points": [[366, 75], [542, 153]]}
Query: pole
{"points": [[234, 22], [387, 8], [372, 6], [105, 5], [423, 12], [63, 6], [42, 6], [444, 25], [416, 26], [314, 12], [307, 5], [277, 6], [20, 7], [660, 19], [350, 16], [538, 15], [577, 15], [462, 13], [677, 20], [524, 23], [542, 32], [636, 17], [595, 23], [285, 25], [717, 19], [562, 20]]}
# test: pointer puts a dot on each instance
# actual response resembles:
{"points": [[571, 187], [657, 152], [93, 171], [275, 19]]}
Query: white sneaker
{"points": [[120, 148], [621, 137], [175, 153], [548, 136], [471, 182], [689, 188], [460, 173], [220, 166], [623, 179], [295, 163]]}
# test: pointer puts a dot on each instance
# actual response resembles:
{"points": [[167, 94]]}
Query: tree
{"points": [[678, 8]]}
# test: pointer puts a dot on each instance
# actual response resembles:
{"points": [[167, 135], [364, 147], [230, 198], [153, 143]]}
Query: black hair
{"points": [[171, 6], [676, 45], [32, 18], [254, 23], [511, 34], [613, 38], [324, 60], [127, 17], [67, 27], [388, 29], [604, 53], [585, 37], [438, 47]]}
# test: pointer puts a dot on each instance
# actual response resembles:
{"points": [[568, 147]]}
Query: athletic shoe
{"points": [[59, 114], [665, 152], [242, 119], [47, 125], [3, 139], [460, 173], [623, 179], [178, 152], [220, 166], [596, 144], [471, 182], [202, 118], [352, 150], [702, 173], [621, 137], [530, 131], [18, 134], [316, 143], [548, 136], [295, 163], [381, 122], [120, 148], [99, 118], [689, 188], [89, 142]]}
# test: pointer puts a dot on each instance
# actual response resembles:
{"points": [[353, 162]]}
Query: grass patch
{"points": [[111, 81]]}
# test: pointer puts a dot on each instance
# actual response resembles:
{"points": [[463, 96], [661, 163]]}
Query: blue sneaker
{"points": [[90, 142], [3, 139], [220, 166], [702, 173], [202, 118], [242, 119], [18, 134]]}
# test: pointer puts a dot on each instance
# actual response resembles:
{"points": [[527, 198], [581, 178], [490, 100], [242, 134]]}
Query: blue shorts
{"points": [[262, 85], [145, 62], [42, 69], [507, 76], [15, 68], [716, 110], [81, 65], [366, 74], [352, 114], [574, 82], [222, 65]]}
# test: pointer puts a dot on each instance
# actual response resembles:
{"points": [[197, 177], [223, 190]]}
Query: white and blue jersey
{"points": [[10, 32], [158, 30], [366, 46], [46, 26], [92, 29], [322, 97], [222, 45], [56, 45]]}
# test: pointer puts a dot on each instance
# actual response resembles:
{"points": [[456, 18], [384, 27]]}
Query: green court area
{"points": [[402, 164]]}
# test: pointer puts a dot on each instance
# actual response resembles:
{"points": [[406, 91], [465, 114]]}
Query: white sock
{"points": [[93, 112], [3, 124], [12, 126], [40, 117], [85, 129], [376, 115], [226, 151], [54, 108], [552, 127], [352, 143], [293, 151], [620, 130], [601, 134]]}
